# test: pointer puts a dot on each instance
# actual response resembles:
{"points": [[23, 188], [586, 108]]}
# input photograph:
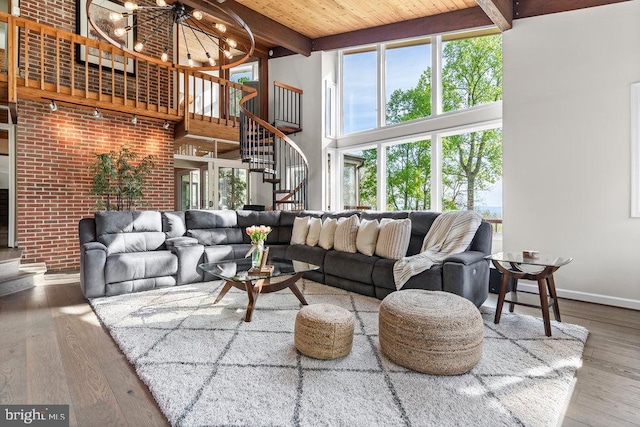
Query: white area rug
{"points": [[205, 366]]}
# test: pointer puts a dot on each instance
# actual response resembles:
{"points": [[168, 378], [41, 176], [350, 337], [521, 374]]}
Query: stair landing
{"points": [[13, 276]]}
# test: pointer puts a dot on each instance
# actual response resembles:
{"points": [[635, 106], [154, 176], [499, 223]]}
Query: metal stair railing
{"points": [[273, 154]]}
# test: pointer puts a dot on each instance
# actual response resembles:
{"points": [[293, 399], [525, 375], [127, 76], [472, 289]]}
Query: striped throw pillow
{"points": [[393, 238], [346, 234]]}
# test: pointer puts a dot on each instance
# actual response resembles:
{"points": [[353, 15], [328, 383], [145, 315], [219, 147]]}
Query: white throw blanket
{"points": [[450, 233]]}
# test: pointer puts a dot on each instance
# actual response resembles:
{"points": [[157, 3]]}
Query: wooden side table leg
{"points": [[544, 303], [551, 284], [501, 296], [251, 294], [513, 289]]}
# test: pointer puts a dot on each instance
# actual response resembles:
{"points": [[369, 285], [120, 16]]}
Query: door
{"points": [[189, 189], [233, 187]]}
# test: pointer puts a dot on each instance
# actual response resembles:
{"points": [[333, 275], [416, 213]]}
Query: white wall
{"points": [[305, 73], [567, 147]]}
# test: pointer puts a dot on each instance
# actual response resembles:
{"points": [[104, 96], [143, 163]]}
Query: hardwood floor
{"points": [[55, 351]]}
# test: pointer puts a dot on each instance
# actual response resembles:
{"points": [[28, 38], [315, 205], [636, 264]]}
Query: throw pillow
{"points": [[327, 233], [300, 230], [315, 227], [367, 236], [393, 238], [346, 234]]}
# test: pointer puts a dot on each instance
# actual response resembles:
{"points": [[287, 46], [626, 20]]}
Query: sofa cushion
{"points": [[368, 215], [393, 238], [367, 236], [383, 277], [139, 285], [300, 230], [420, 224], [203, 219], [351, 266], [270, 218], [315, 227], [111, 222], [218, 253], [346, 234], [217, 236], [140, 265], [311, 254], [173, 224]]}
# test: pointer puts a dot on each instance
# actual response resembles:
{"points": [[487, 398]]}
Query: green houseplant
{"points": [[118, 184]]}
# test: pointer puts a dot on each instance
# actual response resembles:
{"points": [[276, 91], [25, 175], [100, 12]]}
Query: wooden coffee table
{"points": [[547, 265], [235, 273]]}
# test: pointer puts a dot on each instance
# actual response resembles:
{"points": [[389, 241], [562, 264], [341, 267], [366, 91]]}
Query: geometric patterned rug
{"points": [[205, 366]]}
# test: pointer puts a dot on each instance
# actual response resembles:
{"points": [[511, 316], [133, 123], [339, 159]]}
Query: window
{"points": [[471, 71], [472, 172], [360, 179], [409, 176], [330, 109], [407, 81], [359, 91]]}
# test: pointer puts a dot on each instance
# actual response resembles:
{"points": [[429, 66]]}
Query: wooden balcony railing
{"points": [[45, 63]]}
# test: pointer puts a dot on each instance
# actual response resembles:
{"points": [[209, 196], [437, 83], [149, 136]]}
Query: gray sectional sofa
{"points": [[133, 251]]}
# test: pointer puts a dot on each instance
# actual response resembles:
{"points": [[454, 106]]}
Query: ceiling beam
{"points": [[442, 23], [261, 26], [527, 8], [499, 11]]}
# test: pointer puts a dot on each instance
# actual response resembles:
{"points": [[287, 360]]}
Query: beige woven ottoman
{"points": [[324, 331], [430, 331]]}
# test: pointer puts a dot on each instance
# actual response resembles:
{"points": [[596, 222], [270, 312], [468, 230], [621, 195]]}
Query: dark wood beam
{"points": [[262, 26], [527, 8], [499, 11], [442, 23]]}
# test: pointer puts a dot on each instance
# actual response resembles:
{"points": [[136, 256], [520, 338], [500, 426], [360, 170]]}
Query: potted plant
{"points": [[117, 183]]}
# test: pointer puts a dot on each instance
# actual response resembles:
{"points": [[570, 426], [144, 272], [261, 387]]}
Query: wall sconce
{"points": [[53, 106], [166, 125], [134, 120], [97, 114]]}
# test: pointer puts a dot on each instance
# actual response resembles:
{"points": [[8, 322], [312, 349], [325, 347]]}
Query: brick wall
{"points": [[54, 151]]}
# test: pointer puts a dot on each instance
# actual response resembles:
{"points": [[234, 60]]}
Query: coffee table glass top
{"points": [[237, 270], [545, 260]]}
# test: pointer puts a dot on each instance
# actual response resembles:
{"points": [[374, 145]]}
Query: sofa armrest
{"points": [[93, 257], [180, 241], [467, 280], [189, 257], [466, 258]]}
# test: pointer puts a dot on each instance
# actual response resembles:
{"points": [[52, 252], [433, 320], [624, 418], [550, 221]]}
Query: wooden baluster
{"points": [[148, 89], [42, 58], [26, 56], [113, 76], [202, 99], [73, 67], [86, 69], [124, 77], [211, 83], [12, 55], [99, 74], [158, 86], [137, 80], [57, 61]]}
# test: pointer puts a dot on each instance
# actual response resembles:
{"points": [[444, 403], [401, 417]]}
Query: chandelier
{"points": [[205, 40]]}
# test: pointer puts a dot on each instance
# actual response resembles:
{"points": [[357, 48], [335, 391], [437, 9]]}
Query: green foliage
{"points": [[236, 188], [472, 75], [118, 184]]}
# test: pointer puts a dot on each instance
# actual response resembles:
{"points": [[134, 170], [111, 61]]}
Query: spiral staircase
{"points": [[270, 152]]}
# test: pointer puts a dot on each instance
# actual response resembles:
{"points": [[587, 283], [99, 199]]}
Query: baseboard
{"points": [[588, 297]]}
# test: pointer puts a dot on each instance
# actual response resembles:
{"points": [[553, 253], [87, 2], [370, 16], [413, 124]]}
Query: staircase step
{"points": [[19, 281], [281, 191], [9, 262], [263, 170], [258, 160], [289, 201], [272, 180]]}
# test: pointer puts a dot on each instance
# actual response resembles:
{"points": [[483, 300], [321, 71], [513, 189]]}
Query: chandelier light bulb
{"points": [[212, 61], [189, 60], [120, 31], [228, 54], [197, 15], [221, 27], [165, 55], [129, 5], [115, 16], [161, 3], [232, 43], [140, 45]]}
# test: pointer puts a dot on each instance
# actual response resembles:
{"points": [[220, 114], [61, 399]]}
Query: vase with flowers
{"points": [[258, 235]]}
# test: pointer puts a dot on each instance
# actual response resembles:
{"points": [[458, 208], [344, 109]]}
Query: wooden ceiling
{"points": [[304, 26], [321, 18]]}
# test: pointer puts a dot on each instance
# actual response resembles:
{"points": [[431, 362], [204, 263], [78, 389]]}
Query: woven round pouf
{"points": [[430, 331], [324, 331]]}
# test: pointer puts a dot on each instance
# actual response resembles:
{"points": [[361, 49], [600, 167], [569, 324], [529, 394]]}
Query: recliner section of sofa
{"points": [[132, 251]]}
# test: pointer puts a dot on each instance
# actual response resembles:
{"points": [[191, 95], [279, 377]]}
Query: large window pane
{"points": [[359, 99], [409, 176], [408, 81], [232, 185], [472, 172], [359, 179], [471, 72]]}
